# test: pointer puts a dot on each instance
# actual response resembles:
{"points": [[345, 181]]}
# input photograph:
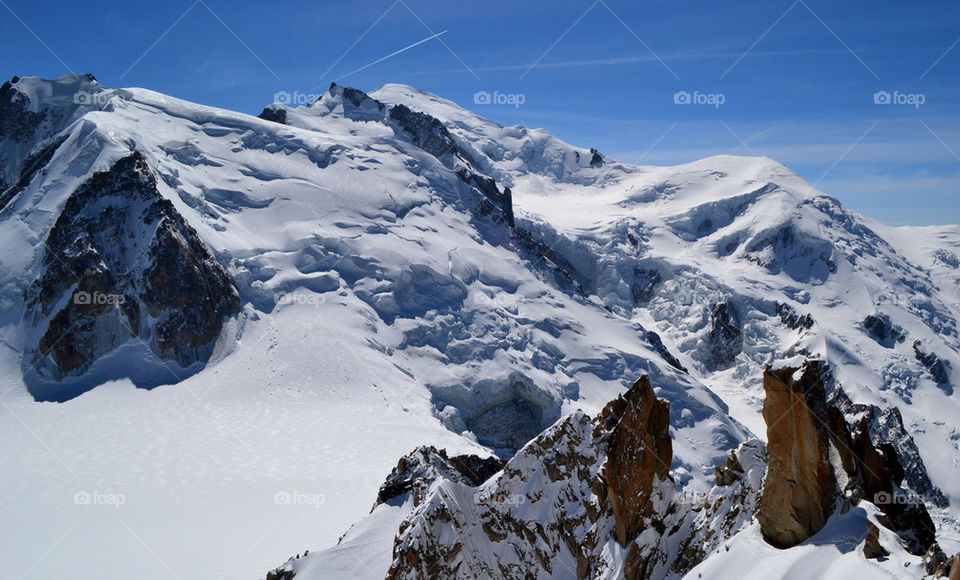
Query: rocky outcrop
{"points": [[727, 474], [881, 329], [814, 458], [639, 454], [17, 121], [792, 319], [645, 283], [415, 472], [871, 545], [950, 569], [726, 336], [426, 132], [557, 506], [275, 115], [657, 344], [596, 159], [888, 432], [594, 497], [938, 368], [121, 263], [800, 489]]}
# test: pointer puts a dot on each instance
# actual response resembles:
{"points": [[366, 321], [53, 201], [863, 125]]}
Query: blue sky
{"points": [[798, 78]]}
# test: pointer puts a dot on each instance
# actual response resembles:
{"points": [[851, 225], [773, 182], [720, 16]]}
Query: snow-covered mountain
{"points": [[325, 289]]}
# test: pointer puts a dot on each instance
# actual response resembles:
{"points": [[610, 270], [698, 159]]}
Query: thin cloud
{"points": [[687, 56]]}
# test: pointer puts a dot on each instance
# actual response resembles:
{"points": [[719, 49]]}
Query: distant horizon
{"points": [[860, 99]]}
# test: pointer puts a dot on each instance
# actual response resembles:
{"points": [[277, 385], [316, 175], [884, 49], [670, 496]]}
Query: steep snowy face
{"points": [[737, 263], [377, 203]]}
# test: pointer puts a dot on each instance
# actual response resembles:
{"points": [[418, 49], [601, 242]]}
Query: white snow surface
{"points": [[341, 362]]}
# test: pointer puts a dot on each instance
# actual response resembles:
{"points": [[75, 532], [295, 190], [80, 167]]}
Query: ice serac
{"points": [[639, 454], [120, 263], [800, 489]]}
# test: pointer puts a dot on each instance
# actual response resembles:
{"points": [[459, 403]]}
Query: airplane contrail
{"points": [[395, 53]]}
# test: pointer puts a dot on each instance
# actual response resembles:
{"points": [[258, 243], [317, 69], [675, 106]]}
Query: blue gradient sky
{"points": [[798, 78]]}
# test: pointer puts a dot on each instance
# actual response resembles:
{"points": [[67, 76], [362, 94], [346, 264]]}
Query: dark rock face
{"points": [[596, 159], [639, 454], [882, 330], [939, 369], [657, 343], [791, 319], [130, 266], [275, 115], [358, 98], [491, 201], [726, 335], [801, 487], [871, 547], [732, 471], [888, 431], [951, 568], [871, 463], [799, 492], [644, 285], [415, 472], [430, 134], [279, 574], [17, 122], [427, 132], [506, 206]]}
